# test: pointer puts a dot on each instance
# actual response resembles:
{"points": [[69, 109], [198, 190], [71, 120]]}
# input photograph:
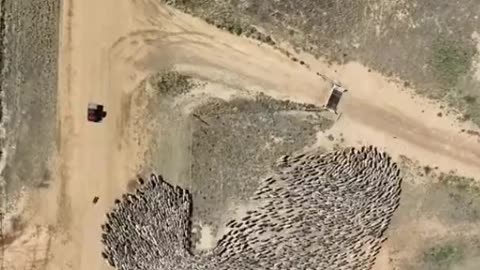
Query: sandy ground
{"points": [[109, 46]]}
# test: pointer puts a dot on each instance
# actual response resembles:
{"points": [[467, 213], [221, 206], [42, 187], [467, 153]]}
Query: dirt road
{"points": [[109, 46]]}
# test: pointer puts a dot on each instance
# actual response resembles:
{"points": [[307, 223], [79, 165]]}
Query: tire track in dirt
{"points": [[413, 131], [65, 123], [200, 50]]}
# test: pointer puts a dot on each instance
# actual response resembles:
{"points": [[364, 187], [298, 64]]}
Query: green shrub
{"points": [[444, 256], [449, 61], [172, 83]]}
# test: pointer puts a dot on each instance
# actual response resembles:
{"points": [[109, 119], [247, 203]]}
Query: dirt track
{"points": [[109, 46]]}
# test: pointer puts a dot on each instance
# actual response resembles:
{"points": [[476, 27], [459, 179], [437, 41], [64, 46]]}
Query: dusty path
{"points": [[109, 46]]}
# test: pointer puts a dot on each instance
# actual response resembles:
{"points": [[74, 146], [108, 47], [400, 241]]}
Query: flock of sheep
{"points": [[316, 211]]}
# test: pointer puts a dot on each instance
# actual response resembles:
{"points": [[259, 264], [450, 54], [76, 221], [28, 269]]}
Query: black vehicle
{"points": [[95, 113], [334, 98]]}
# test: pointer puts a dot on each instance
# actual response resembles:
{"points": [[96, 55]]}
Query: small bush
{"points": [[445, 256], [469, 99], [460, 183], [449, 61], [427, 170], [172, 83]]}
